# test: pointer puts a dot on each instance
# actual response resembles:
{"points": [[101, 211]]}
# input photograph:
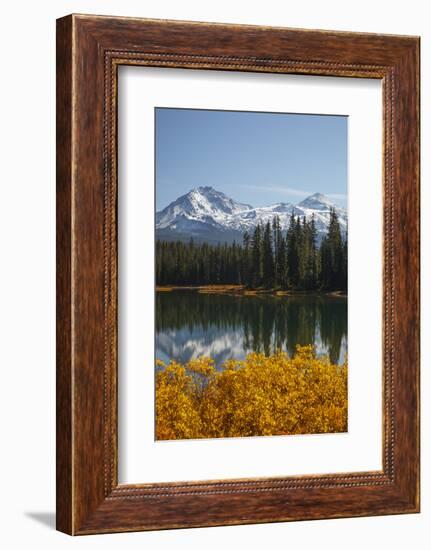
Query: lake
{"points": [[190, 324]]}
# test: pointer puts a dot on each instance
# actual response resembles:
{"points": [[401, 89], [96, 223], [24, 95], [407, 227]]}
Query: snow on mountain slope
{"points": [[320, 206], [248, 219], [203, 204], [207, 214]]}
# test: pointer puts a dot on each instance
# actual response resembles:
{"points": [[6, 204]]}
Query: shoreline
{"points": [[241, 290]]}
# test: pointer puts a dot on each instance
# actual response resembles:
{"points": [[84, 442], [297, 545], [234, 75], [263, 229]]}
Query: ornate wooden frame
{"points": [[89, 51]]}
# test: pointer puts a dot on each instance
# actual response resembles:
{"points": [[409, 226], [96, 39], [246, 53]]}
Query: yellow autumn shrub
{"points": [[275, 395]]}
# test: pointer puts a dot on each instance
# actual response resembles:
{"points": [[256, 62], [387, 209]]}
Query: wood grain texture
{"points": [[90, 49], [64, 497]]}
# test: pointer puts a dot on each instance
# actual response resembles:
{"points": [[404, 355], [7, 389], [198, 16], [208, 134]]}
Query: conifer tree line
{"points": [[267, 258]]}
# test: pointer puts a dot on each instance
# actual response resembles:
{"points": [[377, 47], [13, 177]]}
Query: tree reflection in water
{"points": [[190, 324]]}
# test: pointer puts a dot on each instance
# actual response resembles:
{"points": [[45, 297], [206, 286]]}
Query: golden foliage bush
{"points": [[275, 395]]}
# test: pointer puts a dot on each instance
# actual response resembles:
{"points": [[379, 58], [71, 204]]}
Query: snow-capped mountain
{"points": [[203, 204], [209, 215]]}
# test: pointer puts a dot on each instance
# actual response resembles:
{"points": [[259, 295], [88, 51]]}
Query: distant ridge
{"points": [[206, 214]]}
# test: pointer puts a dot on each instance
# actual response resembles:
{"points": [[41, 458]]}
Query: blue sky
{"points": [[256, 158]]}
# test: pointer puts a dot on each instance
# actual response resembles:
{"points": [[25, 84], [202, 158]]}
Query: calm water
{"points": [[190, 325]]}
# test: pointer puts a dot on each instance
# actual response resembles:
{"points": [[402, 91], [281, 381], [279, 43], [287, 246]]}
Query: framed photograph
{"points": [[237, 274]]}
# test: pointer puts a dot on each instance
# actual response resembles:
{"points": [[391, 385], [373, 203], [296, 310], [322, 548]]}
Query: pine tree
{"points": [[279, 252], [292, 253], [332, 256], [282, 262], [246, 277], [267, 257], [256, 252], [344, 265], [313, 263]]}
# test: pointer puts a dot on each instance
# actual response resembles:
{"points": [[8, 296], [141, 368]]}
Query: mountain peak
{"points": [[201, 205], [319, 197], [317, 200]]}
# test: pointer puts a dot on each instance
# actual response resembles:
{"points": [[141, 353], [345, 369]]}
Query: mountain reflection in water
{"points": [[191, 325]]}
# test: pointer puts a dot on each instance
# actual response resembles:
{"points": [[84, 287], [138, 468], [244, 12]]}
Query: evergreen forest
{"points": [[267, 258]]}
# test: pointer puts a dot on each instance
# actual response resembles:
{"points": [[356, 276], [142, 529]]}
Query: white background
{"points": [[27, 240], [141, 458]]}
